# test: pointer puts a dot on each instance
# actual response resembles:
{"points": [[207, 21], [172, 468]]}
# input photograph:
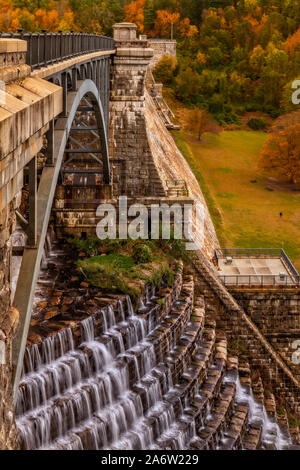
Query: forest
{"points": [[233, 56]]}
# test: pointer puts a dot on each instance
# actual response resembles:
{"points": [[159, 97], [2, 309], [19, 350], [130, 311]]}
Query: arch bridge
{"points": [[67, 100], [54, 99]]}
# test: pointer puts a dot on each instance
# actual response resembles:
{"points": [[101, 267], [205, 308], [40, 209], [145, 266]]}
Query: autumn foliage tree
{"points": [[200, 121], [134, 13], [281, 153], [164, 20]]}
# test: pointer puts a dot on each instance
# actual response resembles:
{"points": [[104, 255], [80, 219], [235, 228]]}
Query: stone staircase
{"points": [[163, 110], [106, 377]]}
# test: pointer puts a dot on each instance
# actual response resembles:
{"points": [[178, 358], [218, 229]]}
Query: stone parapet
{"points": [[27, 108], [162, 47], [12, 60]]}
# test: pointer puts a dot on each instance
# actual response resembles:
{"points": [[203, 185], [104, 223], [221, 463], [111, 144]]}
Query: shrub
{"points": [[227, 118], [142, 253], [257, 123], [164, 70], [89, 246]]}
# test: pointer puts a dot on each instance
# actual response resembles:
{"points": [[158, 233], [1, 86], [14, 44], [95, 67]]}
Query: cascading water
{"points": [[272, 436], [99, 384], [108, 392]]}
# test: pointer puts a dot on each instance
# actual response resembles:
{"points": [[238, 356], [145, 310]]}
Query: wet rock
{"points": [[84, 284], [42, 304], [51, 313], [55, 301], [34, 338]]}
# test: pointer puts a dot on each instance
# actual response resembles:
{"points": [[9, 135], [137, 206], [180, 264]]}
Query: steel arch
{"points": [[32, 256]]}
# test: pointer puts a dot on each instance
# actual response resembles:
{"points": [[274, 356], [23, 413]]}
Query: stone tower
{"points": [[135, 173]]}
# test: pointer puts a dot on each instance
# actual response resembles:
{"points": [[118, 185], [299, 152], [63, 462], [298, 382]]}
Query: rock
{"points": [[55, 301], [10, 322], [67, 301], [42, 304], [34, 338], [51, 313]]}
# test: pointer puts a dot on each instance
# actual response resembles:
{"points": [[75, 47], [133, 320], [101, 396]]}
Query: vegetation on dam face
{"points": [[126, 266], [244, 204]]}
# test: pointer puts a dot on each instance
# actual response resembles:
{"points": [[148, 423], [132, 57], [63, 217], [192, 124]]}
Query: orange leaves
{"points": [[201, 58], [292, 42], [57, 16], [134, 13], [163, 21], [47, 19], [281, 153]]}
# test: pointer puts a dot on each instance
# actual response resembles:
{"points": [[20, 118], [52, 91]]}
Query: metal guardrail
{"points": [[262, 280], [291, 278], [47, 48], [248, 252]]}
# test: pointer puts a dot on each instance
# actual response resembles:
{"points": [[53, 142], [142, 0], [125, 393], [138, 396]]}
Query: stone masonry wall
{"points": [[8, 323], [277, 314], [245, 336], [161, 48]]}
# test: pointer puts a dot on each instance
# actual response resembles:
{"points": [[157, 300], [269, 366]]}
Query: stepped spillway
{"points": [[102, 376]]}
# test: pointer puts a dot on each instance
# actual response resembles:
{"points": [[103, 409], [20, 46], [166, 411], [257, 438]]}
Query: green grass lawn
{"points": [[245, 214]]}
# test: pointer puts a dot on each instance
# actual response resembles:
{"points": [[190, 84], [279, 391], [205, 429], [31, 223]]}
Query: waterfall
{"points": [[95, 381], [272, 435]]}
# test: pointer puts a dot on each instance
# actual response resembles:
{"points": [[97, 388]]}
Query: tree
{"points": [[149, 15], [292, 42], [134, 13], [281, 153], [164, 20], [200, 121], [164, 70], [187, 85]]}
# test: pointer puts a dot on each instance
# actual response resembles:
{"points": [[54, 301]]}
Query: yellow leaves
{"points": [[66, 23], [185, 29]]}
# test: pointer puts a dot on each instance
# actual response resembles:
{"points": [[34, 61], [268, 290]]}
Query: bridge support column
{"points": [[32, 221], [64, 79], [49, 151]]}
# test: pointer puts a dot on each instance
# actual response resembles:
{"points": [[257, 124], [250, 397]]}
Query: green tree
{"points": [[187, 85], [149, 15]]}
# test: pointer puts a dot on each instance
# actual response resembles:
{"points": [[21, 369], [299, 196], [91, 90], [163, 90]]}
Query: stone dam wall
{"points": [[171, 165], [276, 312], [161, 47]]}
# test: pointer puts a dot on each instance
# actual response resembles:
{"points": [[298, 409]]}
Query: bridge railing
{"points": [[48, 48]]}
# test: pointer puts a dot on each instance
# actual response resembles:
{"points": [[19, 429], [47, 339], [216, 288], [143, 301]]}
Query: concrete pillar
{"points": [[64, 80], [49, 152], [32, 221]]}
